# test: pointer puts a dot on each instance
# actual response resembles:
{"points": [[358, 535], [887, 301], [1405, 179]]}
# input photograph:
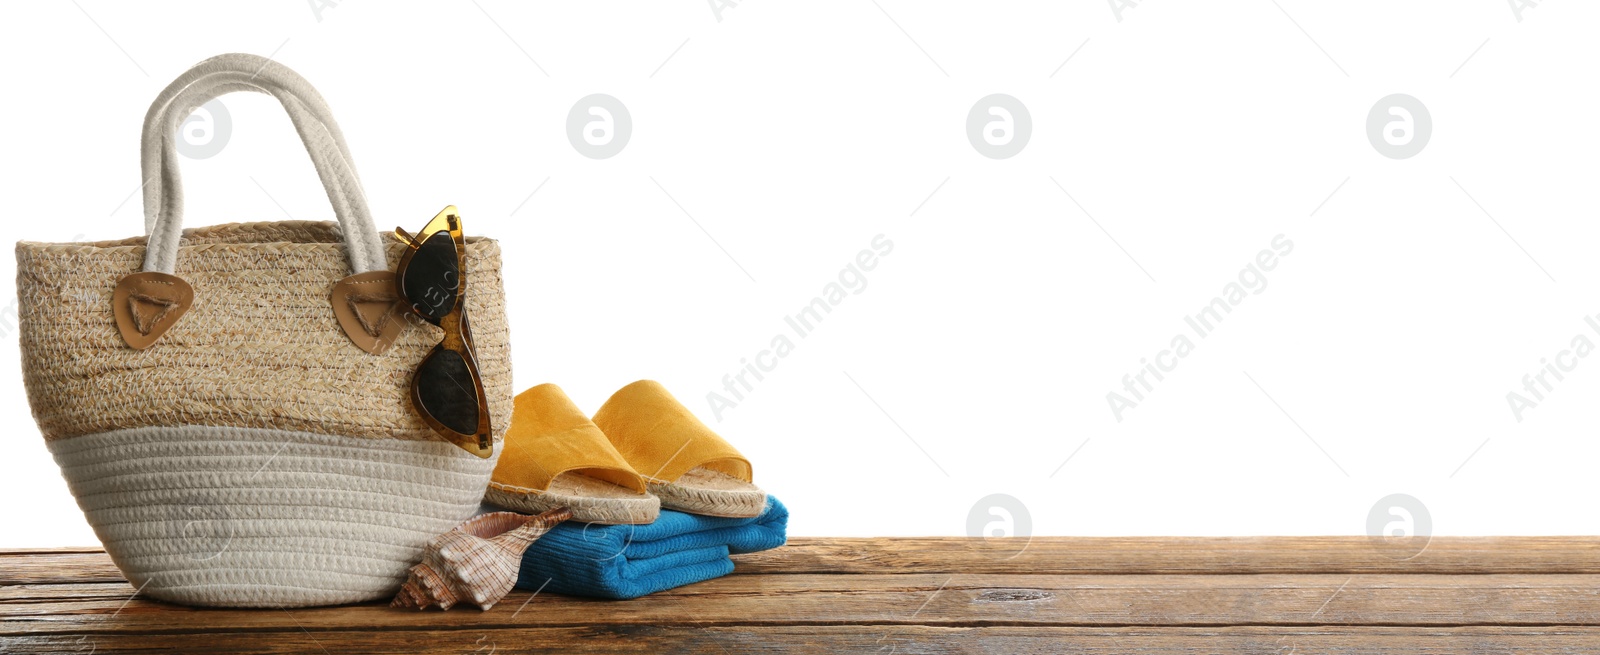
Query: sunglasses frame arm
{"points": [[457, 332]]}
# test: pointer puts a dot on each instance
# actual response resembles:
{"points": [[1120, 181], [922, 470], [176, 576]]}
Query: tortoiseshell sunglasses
{"points": [[446, 389]]}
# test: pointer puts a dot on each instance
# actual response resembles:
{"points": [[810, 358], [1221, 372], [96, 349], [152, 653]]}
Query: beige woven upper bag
{"points": [[253, 455]]}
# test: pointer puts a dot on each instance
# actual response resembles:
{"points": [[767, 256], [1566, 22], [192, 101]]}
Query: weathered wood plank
{"points": [[1058, 555], [31, 593], [913, 599], [1145, 555], [57, 567], [833, 640], [1057, 595]]}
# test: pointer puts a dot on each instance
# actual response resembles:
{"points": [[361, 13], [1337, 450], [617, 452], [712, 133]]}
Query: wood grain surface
{"points": [[1047, 595]]}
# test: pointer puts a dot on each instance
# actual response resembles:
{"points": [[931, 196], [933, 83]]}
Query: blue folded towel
{"points": [[629, 561]]}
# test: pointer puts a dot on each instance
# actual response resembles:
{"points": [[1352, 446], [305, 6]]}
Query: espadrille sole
{"points": [[250, 517], [591, 500], [710, 493]]}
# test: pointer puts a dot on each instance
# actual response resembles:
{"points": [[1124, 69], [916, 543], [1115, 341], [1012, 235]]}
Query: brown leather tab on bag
{"points": [[147, 304], [369, 309]]}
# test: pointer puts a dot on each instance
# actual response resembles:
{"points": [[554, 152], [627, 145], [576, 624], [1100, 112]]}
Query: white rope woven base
{"points": [[249, 517]]}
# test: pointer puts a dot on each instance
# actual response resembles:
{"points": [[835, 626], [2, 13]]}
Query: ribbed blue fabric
{"points": [[629, 561]]}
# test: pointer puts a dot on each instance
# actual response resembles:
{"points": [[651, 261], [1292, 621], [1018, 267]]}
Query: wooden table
{"points": [[834, 596]]}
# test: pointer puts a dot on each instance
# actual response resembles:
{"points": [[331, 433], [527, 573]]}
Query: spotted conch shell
{"points": [[476, 561]]}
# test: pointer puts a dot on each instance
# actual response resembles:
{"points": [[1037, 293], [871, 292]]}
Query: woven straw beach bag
{"points": [[252, 455]]}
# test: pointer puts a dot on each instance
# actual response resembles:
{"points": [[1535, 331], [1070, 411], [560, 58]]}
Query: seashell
{"points": [[476, 561]]}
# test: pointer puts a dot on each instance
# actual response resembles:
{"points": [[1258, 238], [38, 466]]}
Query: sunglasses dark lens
{"points": [[444, 385], [432, 277]]}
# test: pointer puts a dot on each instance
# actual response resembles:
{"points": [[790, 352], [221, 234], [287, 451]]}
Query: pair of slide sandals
{"points": [[641, 452]]}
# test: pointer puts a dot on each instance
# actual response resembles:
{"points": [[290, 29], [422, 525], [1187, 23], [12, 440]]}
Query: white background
{"points": [[792, 133]]}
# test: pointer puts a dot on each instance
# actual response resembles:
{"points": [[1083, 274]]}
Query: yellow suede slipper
{"points": [[687, 465], [554, 456]]}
